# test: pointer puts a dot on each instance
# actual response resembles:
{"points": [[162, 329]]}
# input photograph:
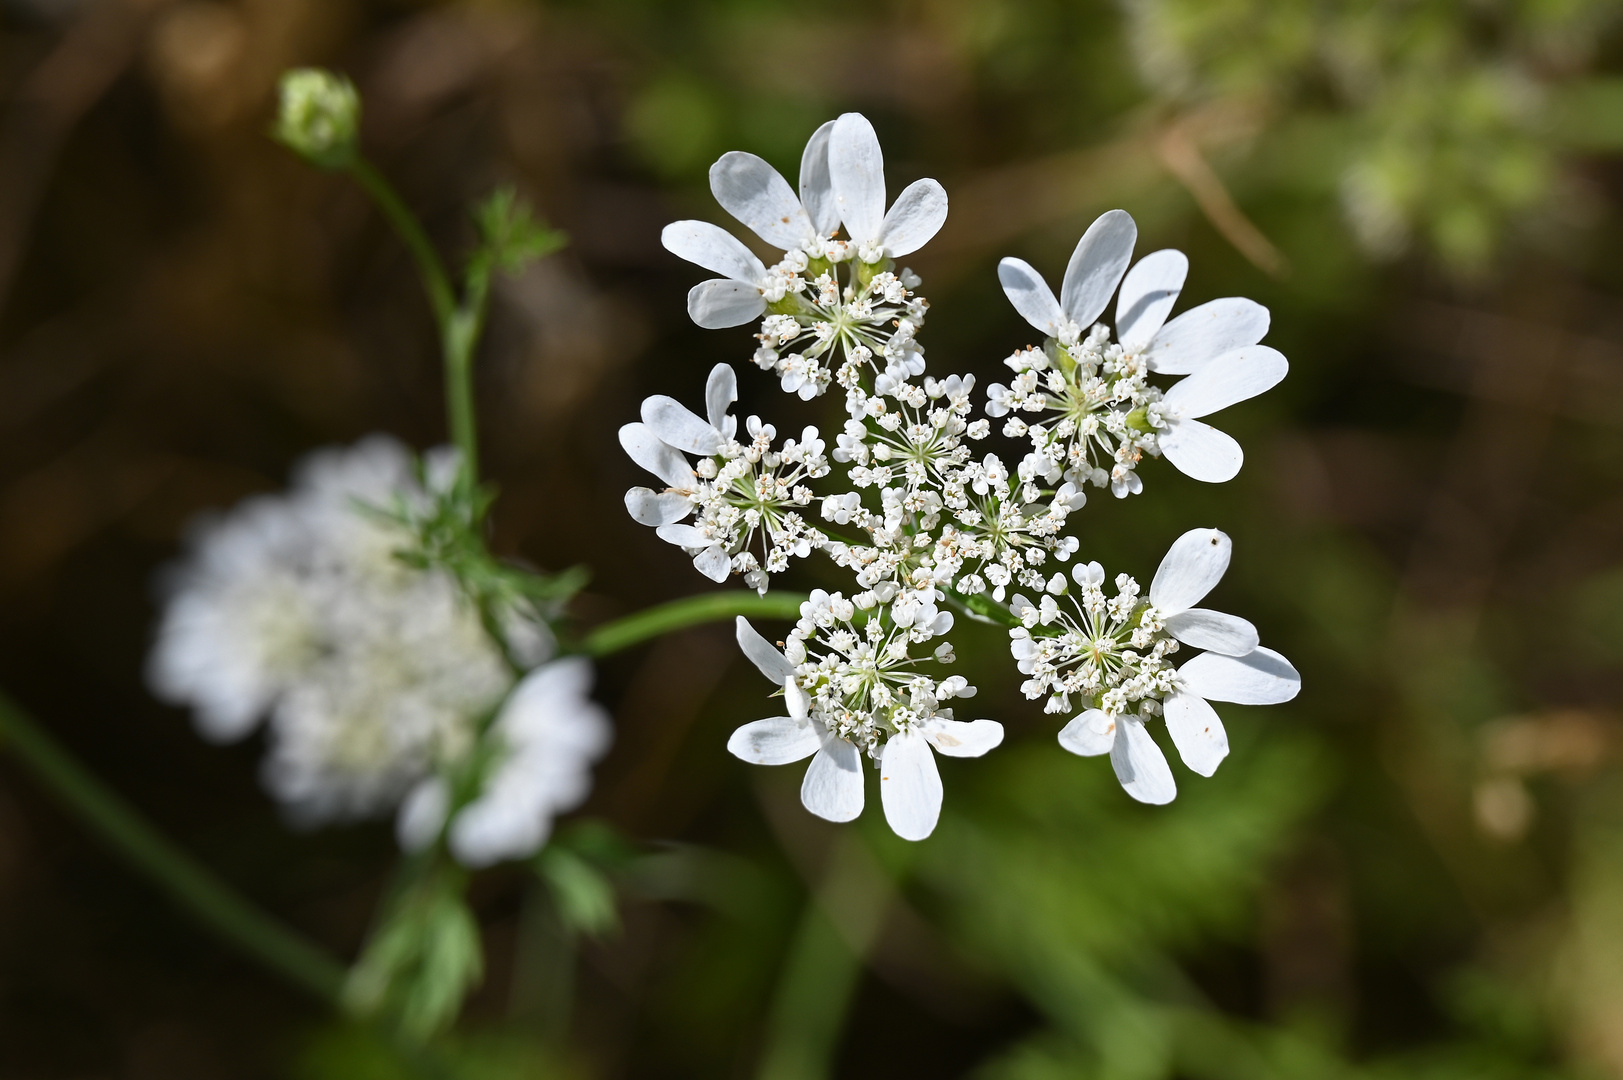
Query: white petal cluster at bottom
{"points": [[834, 788]]}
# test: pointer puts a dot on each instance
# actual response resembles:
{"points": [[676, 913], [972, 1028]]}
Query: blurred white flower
{"points": [[294, 608], [546, 737]]}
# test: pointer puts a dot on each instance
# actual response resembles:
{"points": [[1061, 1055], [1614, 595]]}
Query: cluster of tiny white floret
{"points": [[371, 674], [1098, 412], [923, 519], [1110, 651]]}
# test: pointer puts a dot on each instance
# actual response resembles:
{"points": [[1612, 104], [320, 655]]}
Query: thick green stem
{"points": [[660, 619], [230, 916]]}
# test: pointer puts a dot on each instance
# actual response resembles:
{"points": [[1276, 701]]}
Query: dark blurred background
{"points": [[1414, 870]]}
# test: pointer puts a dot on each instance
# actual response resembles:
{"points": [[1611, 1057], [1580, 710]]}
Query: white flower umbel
{"points": [[924, 521], [854, 690], [294, 607], [545, 739], [737, 490], [1087, 404], [1112, 655], [835, 307]]}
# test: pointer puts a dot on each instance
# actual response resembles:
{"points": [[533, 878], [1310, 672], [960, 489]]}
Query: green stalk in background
{"points": [[234, 919]]}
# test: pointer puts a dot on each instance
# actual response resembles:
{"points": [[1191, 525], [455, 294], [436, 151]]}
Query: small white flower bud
{"points": [[319, 116]]}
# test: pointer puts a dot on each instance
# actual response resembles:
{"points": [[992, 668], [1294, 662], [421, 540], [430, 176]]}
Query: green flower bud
{"points": [[1139, 420], [319, 116]]}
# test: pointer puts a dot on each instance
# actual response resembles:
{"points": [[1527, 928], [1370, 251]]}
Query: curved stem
{"points": [[230, 916], [660, 619], [435, 280], [460, 324]]}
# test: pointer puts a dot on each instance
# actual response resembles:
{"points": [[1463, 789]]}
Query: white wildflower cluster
{"points": [[372, 675], [738, 492], [925, 521], [1086, 403]]}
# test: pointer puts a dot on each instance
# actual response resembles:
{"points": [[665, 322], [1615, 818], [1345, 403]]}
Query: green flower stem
{"points": [[634, 629], [233, 918], [435, 280], [460, 324]]}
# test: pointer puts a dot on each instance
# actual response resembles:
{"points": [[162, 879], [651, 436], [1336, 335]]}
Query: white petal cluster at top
{"points": [[373, 676], [924, 521]]}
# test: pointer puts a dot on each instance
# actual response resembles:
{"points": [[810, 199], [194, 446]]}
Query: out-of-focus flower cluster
{"points": [[923, 519], [374, 674]]}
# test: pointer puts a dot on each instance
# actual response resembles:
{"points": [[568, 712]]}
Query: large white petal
{"points": [[857, 168], [1148, 292], [675, 425], [713, 562], [1186, 343], [719, 303], [777, 740], [768, 660], [833, 786], [1190, 569], [1261, 677], [1227, 379], [1030, 295], [963, 738], [1213, 630], [646, 449], [684, 536], [910, 786], [1096, 266], [1140, 765], [657, 507], [758, 195], [1091, 734], [720, 391], [1197, 732], [916, 216], [1201, 451], [816, 186], [713, 248]]}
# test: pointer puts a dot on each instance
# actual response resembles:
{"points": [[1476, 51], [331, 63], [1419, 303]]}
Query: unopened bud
{"points": [[319, 116]]}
